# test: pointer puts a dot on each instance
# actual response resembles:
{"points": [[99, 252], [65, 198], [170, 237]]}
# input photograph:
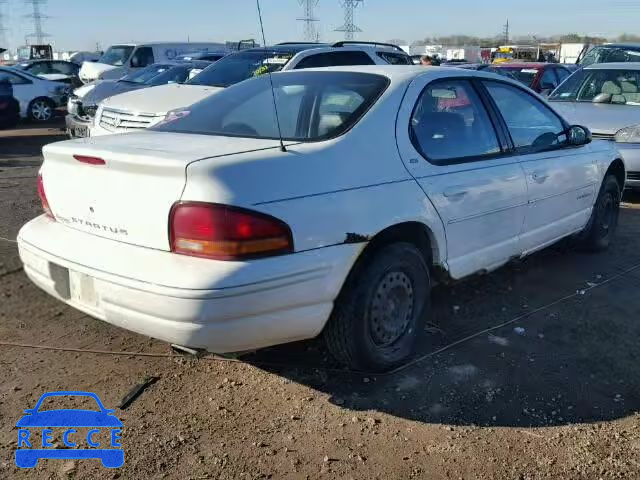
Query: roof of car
{"points": [[536, 65], [614, 66], [286, 48], [620, 45]]}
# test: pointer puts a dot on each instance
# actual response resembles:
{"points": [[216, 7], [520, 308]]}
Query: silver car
{"points": [[605, 98]]}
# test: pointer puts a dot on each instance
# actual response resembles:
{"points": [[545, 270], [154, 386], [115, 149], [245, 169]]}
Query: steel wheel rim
{"points": [[391, 308], [41, 111]]}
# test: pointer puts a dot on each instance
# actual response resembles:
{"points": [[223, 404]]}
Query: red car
{"points": [[540, 77]]}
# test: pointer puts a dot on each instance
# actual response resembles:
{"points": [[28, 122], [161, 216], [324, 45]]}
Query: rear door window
{"points": [[450, 122], [549, 80], [395, 58], [64, 68], [335, 59]]}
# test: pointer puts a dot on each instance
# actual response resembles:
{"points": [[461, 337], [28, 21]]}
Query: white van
{"points": [[120, 59]]}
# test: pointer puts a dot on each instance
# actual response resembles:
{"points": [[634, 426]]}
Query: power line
{"points": [[349, 28], [37, 17], [310, 32]]}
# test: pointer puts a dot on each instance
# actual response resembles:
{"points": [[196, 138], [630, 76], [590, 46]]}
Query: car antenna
{"points": [[273, 92]]}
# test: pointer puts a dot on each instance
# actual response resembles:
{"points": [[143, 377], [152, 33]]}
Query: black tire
{"points": [[363, 335], [599, 232], [41, 110]]}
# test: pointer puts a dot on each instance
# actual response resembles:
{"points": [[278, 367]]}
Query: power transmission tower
{"points": [[505, 32], [349, 28], [37, 17], [310, 32]]}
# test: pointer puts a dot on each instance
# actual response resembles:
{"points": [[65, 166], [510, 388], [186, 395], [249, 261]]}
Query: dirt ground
{"points": [[529, 372]]}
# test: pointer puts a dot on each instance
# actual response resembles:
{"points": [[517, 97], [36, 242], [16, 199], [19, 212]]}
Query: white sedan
{"points": [[37, 96], [207, 231]]}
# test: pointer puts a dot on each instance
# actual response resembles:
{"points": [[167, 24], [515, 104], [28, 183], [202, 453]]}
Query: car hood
{"points": [[69, 418], [597, 117], [161, 99], [92, 70], [109, 88]]}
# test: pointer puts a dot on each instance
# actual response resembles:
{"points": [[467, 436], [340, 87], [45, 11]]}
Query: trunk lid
{"points": [[129, 198]]}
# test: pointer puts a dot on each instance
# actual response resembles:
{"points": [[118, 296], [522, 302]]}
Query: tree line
{"points": [[460, 40]]}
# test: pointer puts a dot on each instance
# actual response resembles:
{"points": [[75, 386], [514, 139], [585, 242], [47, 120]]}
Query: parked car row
{"points": [[138, 109], [315, 201]]}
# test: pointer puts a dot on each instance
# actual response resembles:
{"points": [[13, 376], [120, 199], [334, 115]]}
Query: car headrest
{"points": [[611, 87], [628, 87]]}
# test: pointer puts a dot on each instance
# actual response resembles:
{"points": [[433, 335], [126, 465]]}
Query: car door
{"points": [[450, 143], [23, 89], [561, 179]]}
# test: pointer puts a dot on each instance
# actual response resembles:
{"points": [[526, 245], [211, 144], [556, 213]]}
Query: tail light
{"points": [[222, 232], [43, 198]]}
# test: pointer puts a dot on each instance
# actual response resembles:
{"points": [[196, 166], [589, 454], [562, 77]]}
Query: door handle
{"points": [[539, 177], [454, 193]]}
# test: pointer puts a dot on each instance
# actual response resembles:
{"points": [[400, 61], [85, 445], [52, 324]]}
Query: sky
{"points": [[80, 24]]}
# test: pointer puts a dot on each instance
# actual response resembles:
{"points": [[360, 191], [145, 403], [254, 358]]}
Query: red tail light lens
{"points": [[89, 160], [226, 233], [43, 198]]}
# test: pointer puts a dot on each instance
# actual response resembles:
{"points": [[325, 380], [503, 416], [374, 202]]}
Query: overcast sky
{"points": [[79, 24]]}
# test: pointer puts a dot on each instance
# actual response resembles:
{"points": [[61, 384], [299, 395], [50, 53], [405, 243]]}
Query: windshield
{"points": [[240, 66], [604, 54], [523, 75], [116, 55], [310, 107], [151, 75], [621, 87]]}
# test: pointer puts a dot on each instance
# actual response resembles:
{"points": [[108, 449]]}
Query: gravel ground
{"points": [[552, 393]]}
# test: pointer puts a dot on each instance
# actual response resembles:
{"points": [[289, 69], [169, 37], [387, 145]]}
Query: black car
{"points": [[9, 106], [57, 70], [81, 110]]}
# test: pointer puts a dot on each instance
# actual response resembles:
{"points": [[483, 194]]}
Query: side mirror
{"points": [[578, 135]]}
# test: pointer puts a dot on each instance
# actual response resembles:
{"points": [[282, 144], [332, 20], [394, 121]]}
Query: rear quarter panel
{"points": [[325, 191]]}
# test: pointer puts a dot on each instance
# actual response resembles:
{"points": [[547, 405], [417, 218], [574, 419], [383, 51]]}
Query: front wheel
{"points": [[41, 110], [598, 234], [380, 312]]}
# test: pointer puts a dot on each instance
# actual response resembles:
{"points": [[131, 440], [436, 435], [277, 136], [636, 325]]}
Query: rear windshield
{"points": [[618, 87], [240, 66], [609, 54], [523, 75], [311, 106]]}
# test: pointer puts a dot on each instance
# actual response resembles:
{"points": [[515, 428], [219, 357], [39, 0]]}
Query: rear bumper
{"points": [[218, 306]]}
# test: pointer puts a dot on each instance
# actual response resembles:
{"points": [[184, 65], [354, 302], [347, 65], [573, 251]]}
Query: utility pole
{"points": [[310, 32], [349, 28], [37, 17], [505, 32]]}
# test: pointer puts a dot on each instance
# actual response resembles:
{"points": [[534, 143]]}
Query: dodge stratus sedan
{"points": [[230, 227]]}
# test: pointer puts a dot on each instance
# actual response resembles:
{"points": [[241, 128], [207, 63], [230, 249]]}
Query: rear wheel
{"points": [[602, 225], [41, 110], [377, 318]]}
